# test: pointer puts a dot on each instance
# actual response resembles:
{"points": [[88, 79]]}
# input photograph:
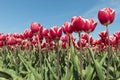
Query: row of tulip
{"points": [[44, 54]]}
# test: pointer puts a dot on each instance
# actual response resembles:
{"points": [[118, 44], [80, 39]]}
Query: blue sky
{"points": [[17, 15]]}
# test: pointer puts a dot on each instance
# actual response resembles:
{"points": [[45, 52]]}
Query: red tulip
{"points": [[64, 44], [36, 27], [83, 42], [11, 40], [34, 41], [25, 44], [90, 25], [86, 36], [28, 33], [78, 23], [21, 35], [45, 32], [43, 45], [19, 41], [98, 42], [67, 28], [1, 43], [65, 38], [55, 33], [117, 35], [16, 35], [106, 16], [40, 36], [2, 37], [112, 40], [103, 34]]}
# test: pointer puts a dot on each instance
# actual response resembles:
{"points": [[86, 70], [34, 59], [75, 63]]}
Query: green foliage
{"points": [[35, 65]]}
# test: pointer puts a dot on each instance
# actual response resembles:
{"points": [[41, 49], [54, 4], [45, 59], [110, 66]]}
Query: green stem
{"points": [[88, 47], [109, 53], [39, 51], [81, 59], [58, 60]]}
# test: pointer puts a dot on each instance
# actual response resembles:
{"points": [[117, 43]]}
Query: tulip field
{"points": [[40, 53]]}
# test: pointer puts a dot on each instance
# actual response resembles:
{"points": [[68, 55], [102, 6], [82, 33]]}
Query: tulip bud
{"points": [[36, 27], [106, 16], [90, 25], [67, 28], [55, 33]]}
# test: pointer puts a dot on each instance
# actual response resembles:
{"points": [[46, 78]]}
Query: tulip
{"points": [[16, 35], [67, 28], [55, 32], [45, 32], [83, 42], [106, 16], [11, 40], [117, 35], [87, 37], [89, 25], [78, 23], [112, 40], [28, 33], [34, 41], [64, 38], [36, 27], [64, 45], [2, 37], [19, 41], [1, 43], [78, 26], [103, 34]]}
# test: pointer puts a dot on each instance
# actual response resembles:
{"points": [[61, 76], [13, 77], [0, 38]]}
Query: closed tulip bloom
{"points": [[2, 37], [45, 32], [117, 35], [83, 42], [64, 38], [36, 27], [28, 33], [103, 34], [55, 32], [78, 23], [1, 43], [98, 42], [106, 16], [90, 25], [11, 40], [64, 44], [67, 28], [112, 40]]}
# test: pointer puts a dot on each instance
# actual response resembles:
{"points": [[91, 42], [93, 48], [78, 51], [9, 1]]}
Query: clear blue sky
{"points": [[17, 15]]}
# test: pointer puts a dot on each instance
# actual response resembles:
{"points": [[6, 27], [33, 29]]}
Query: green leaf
{"points": [[35, 73], [103, 59], [97, 65], [9, 74], [69, 74], [89, 72], [53, 73]]}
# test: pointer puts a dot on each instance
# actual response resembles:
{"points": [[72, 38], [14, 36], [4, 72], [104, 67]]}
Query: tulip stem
{"points": [[58, 60], [109, 54], [39, 51], [88, 47], [81, 65]]}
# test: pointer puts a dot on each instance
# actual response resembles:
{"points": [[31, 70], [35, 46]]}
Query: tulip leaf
{"points": [[97, 65]]}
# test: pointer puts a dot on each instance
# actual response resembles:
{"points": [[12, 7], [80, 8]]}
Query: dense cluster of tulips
{"points": [[39, 53]]}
